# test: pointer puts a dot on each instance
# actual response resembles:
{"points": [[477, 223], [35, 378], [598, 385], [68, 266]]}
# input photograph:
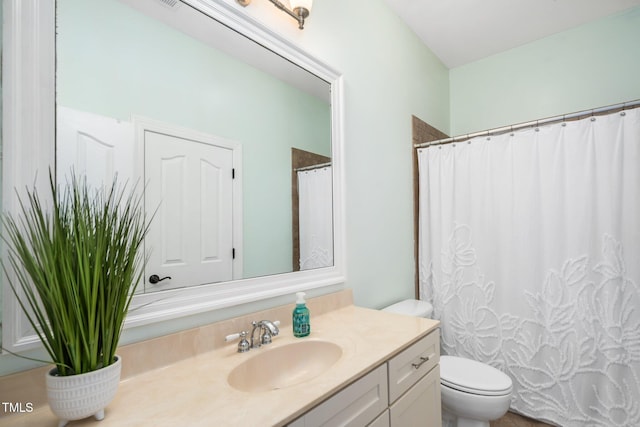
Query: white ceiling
{"points": [[462, 31]]}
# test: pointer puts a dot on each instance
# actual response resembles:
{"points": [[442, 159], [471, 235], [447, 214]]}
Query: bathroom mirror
{"points": [[151, 70], [159, 92]]}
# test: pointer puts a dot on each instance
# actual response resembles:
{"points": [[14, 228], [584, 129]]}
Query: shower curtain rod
{"points": [[312, 167], [534, 123]]}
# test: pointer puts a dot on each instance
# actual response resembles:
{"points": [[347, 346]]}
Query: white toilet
{"points": [[472, 393]]}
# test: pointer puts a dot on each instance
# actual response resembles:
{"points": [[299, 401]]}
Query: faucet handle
{"points": [[269, 332], [275, 323], [243, 345], [266, 337], [232, 337]]}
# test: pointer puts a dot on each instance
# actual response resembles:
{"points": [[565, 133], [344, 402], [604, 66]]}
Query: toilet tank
{"points": [[411, 307]]}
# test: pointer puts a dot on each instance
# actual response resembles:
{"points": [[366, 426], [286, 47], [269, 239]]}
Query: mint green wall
{"points": [[593, 65], [389, 75], [115, 61]]}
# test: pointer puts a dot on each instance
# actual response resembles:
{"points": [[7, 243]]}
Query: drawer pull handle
{"points": [[422, 361]]}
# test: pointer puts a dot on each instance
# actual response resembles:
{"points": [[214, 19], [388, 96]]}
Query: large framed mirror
{"points": [[206, 107]]}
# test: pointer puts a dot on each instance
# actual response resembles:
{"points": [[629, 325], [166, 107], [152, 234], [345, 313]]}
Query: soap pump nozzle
{"points": [[300, 297]]}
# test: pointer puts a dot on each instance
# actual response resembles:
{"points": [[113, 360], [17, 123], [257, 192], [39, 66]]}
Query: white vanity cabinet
{"points": [[382, 421], [403, 391], [414, 384], [356, 405]]}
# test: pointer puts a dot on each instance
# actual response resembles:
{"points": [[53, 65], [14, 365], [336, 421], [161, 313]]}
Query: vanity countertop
{"points": [[195, 391]]}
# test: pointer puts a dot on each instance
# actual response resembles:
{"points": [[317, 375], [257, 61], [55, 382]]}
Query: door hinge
{"points": [[233, 253], [233, 173]]}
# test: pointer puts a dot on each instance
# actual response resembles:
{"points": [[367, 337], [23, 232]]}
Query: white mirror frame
{"points": [[29, 152]]}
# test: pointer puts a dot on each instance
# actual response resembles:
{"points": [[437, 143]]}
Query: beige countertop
{"points": [[195, 391]]}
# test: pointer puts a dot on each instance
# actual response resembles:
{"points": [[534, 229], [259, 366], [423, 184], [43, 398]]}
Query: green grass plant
{"points": [[76, 264]]}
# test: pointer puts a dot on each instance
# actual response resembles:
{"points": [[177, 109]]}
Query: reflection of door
{"points": [[189, 182], [94, 146]]}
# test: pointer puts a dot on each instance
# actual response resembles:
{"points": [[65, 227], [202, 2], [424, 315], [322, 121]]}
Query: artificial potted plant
{"points": [[75, 267]]}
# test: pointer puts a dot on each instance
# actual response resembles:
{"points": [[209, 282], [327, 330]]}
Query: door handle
{"points": [[154, 278]]}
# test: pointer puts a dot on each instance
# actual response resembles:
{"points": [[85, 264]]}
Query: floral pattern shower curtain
{"points": [[316, 218], [530, 254]]}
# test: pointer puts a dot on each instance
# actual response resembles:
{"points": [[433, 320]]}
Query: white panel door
{"points": [[189, 186], [94, 146]]}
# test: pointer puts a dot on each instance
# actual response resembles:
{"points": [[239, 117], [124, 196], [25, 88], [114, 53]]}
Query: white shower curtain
{"points": [[530, 254], [316, 218]]}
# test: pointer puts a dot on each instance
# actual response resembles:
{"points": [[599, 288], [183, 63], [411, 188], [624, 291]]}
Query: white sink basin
{"points": [[285, 366]]}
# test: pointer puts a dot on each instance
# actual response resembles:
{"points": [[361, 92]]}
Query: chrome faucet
{"points": [[243, 345], [266, 330]]}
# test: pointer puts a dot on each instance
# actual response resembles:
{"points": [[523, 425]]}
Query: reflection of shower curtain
{"points": [[530, 253], [316, 218]]}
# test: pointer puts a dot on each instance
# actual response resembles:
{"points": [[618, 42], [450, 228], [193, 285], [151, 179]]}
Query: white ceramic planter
{"points": [[80, 396]]}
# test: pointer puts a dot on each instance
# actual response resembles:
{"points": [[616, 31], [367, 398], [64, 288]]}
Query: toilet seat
{"points": [[471, 376]]}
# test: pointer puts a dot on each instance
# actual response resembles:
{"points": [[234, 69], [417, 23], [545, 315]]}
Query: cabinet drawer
{"points": [[408, 367], [356, 405]]}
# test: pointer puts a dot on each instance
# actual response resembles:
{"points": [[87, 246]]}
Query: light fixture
{"points": [[299, 9]]}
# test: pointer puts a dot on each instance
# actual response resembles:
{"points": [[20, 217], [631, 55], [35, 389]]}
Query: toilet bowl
{"points": [[472, 393]]}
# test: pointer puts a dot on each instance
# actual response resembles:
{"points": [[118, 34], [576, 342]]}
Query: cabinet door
{"points": [[408, 367], [420, 406], [357, 405], [382, 420]]}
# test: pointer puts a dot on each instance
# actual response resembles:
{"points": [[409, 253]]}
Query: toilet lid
{"points": [[471, 376]]}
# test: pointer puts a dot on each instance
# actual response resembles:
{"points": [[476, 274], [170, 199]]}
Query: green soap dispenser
{"points": [[301, 324]]}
